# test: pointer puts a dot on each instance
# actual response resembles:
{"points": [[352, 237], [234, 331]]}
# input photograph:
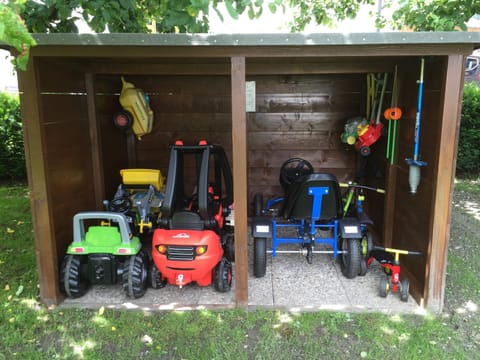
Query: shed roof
{"points": [[293, 39]]}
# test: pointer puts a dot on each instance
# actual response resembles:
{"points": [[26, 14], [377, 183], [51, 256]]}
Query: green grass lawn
{"points": [[29, 330]]}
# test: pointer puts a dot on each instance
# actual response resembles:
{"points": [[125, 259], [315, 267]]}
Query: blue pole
{"points": [[415, 163], [418, 117]]}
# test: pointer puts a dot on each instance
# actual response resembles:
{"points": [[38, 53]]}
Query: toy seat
{"points": [[310, 204], [187, 220], [299, 203]]}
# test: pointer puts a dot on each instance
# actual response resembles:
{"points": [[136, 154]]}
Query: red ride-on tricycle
{"points": [[389, 259], [194, 241]]}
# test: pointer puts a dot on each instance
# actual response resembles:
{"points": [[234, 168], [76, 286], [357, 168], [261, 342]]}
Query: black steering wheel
{"points": [[293, 170], [120, 204]]}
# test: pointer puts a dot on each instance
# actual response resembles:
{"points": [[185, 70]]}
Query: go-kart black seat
{"points": [[187, 220], [298, 203]]}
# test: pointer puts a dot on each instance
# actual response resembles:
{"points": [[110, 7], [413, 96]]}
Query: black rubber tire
{"points": [[367, 244], [404, 290], [223, 276], [72, 283], [135, 275], [383, 286], [229, 247], [365, 150], [127, 117], [156, 281], [257, 204], [259, 257], [363, 267], [351, 258]]}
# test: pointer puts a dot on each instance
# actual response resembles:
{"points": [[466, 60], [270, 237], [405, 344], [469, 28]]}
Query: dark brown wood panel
{"points": [[56, 76], [69, 167], [301, 116]]}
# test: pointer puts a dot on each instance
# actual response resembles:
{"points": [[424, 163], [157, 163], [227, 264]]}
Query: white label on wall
{"points": [[250, 96]]}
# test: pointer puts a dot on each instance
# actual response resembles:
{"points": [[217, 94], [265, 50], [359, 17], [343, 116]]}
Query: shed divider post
{"points": [[239, 154]]}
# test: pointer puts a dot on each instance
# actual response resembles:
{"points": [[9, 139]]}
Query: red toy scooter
{"points": [[391, 264]]}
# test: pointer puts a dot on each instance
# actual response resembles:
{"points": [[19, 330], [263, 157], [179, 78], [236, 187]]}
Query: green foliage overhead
{"points": [[435, 15], [468, 158], [131, 15], [325, 12], [12, 156], [14, 33], [193, 16]]}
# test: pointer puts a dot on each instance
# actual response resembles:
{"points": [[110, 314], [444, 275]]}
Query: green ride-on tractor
{"points": [[104, 253]]}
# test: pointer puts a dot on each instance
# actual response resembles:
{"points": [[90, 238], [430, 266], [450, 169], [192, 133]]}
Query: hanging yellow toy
{"points": [[136, 113]]}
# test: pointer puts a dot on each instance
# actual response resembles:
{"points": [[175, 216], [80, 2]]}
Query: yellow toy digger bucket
{"points": [[143, 177]]}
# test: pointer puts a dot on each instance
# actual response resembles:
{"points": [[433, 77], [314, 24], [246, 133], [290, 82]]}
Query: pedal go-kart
{"points": [[194, 242], [139, 197], [389, 260], [311, 205], [103, 254]]}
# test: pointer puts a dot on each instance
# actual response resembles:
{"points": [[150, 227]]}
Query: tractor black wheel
{"points": [[135, 275], [229, 246], [383, 286], [72, 282], [294, 170], [222, 276], [404, 290], [351, 257], [259, 257], [257, 204], [123, 120], [156, 280]]}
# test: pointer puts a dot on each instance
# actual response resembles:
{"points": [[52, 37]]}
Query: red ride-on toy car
{"points": [[389, 259], [194, 242]]}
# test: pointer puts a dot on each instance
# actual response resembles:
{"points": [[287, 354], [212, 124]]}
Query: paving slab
{"points": [[290, 283]]}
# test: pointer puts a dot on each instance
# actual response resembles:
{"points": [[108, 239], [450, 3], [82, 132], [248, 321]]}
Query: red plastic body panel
{"points": [[182, 272], [370, 136]]}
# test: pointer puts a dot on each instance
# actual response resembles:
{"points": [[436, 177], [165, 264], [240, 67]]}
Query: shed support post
{"points": [[35, 155], [239, 145], [96, 146], [445, 175]]}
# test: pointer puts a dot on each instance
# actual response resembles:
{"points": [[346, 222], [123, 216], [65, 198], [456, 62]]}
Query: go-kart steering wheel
{"points": [[293, 170]]}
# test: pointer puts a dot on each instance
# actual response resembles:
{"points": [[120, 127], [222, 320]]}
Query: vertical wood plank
{"points": [[442, 205], [95, 142], [239, 145], [35, 155]]}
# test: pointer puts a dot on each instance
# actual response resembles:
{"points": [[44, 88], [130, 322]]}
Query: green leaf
{"points": [[251, 13], [231, 10], [19, 290]]}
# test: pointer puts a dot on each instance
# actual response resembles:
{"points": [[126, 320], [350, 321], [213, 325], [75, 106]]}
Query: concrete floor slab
{"points": [[290, 284]]}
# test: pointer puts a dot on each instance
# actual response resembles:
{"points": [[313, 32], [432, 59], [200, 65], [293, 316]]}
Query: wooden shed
{"points": [[300, 90]]}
